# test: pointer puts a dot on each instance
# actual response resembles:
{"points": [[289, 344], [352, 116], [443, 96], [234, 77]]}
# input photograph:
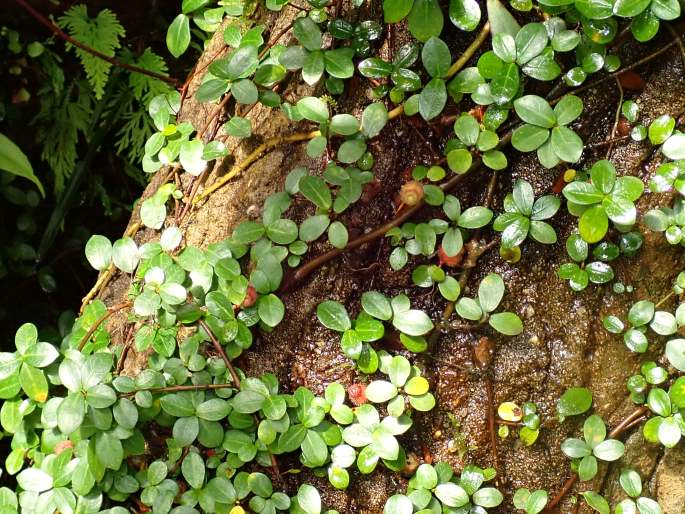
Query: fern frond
{"points": [[101, 33], [138, 127], [145, 87], [131, 137], [60, 121]]}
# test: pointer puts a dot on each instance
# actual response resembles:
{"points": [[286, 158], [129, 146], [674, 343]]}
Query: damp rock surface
{"points": [[563, 344]]}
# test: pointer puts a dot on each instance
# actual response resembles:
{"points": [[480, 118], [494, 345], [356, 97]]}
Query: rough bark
{"points": [[563, 344]]}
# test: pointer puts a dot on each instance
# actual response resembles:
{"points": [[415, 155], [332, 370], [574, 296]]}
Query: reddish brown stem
{"points": [[100, 321], [377, 233], [66, 37], [236, 381], [624, 425], [220, 350], [181, 388], [491, 424]]}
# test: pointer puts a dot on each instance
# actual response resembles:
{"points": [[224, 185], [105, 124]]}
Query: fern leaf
{"points": [[145, 87], [101, 33], [60, 121]]}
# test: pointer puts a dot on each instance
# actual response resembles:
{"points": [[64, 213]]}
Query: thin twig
{"points": [[624, 425], [491, 424], [606, 142], [100, 321], [252, 157], [236, 382], [220, 350], [468, 53], [66, 37], [617, 117], [180, 388], [618, 72], [679, 41], [304, 270]]}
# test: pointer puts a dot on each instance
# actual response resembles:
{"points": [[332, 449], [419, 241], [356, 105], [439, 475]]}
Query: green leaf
{"points": [[487, 497], [530, 42], [374, 118], [314, 449], [193, 469], [312, 227], [436, 57], [475, 217], [506, 84], [333, 315], [109, 450], [506, 323], [99, 252], [675, 353], [566, 144], [593, 224], [595, 501], [609, 450], [459, 160], [464, 14], [282, 231], [339, 62], [14, 161], [396, 10], [412, 322], [490, 292], [630, 8], [425, 20], [574, 401], [575, 448], [351, 151], [535, 110], [467, 129], [451, 494], [501, 20], [528, 137], [380, 391], [316, 190], [34, 480], [432, 99], [376, 304], [375, 67], [345, 124], [313, 109], [70, 413], [271, 309], [33, 383], [307, 33], [568, 109], [308, 499], [674, 147], [337, 235], [178, 35]]}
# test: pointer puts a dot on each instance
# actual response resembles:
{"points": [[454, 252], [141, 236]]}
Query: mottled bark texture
{"points": [[563, 343]]}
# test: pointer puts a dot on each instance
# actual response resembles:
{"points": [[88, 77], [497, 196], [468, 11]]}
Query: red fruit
{"points": [[631, 81], [452, 261], [63, 446], [357, 393], [624, 127], [250, 297]]}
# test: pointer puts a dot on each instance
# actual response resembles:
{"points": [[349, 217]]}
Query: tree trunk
{"points": [[563, 344]]}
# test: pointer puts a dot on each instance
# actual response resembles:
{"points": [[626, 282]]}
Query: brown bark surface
{"points": [[563, 343]]}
